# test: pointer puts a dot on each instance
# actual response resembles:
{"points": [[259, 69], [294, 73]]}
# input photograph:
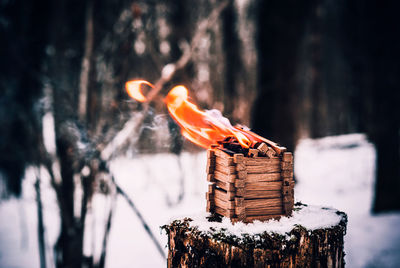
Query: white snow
{"points": [[310, 217], [331, 172]]}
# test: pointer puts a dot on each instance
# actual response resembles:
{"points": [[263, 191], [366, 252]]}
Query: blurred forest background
{"points": [[287, 69]]}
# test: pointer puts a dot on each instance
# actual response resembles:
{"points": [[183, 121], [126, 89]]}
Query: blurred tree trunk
{"points": [[280, 31], [329, 68], [373, 50], [383, 50], [67, 35], [23, 30]]}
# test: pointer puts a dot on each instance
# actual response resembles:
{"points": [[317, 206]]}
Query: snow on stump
{"points": [[312, 237]]}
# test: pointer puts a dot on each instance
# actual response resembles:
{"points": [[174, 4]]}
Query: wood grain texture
{"points": [[263, 177], [224, 161], [230, 205], [264, 185], [251, 194], [224, 177], [262, 161], [263, 203], [277, 210], [271, 168], [227, 170], [222, 154], [224, 212], [229, 187], [224, 195]]}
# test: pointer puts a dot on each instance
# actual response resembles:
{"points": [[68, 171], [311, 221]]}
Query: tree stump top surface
{"points": [[312, 237], [305, 218]]}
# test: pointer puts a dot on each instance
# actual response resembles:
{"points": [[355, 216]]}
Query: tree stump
{"points": [[312, 237]]}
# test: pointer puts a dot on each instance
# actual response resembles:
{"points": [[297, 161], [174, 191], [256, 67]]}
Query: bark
{"points": [[189, 247]]}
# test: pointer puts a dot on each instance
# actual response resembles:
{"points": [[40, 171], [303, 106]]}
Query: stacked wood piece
{"points": [[251, 187]]}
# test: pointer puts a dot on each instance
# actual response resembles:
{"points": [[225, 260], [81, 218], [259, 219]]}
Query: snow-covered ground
{"points": [[333, 171]]}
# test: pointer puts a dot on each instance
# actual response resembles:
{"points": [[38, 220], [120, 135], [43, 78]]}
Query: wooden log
{"points": [[240, 183], [210, 202], [228, 170], [263, 169], [210, 178], [210, 169], [264, 185], [224, 161], [224, 177], [224, 195], [263, 203], [271, 153], [286, 165], [287, 157], [229, 213], [266, 150], [210, 154], [251, 194], [262, 161], [240, 211], [287, 173], [286, 181], [229, 187], [210, 161], [242, 174], [240, 192], [239, 201], [218, 152], [230, 205], [240, 166], [263, 148], [238, 158], [263, 177], [286, 190], [217, 246], [287, 198], [253, 153], [211, 188], [278, 149], [278, 210]]}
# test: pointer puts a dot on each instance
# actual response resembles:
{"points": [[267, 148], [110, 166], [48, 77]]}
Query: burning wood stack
{"points": [[249, 184], [251, 177]]}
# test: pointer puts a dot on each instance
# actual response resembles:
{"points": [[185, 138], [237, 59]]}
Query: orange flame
{"points": [[134, 89], [200, 127]]}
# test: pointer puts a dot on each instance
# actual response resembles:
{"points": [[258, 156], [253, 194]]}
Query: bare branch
{"points": [[140, 217], [41, 230]]}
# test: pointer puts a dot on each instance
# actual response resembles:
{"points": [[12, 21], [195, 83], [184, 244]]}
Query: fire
{"points": [[203, 128], [134, 89]]}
